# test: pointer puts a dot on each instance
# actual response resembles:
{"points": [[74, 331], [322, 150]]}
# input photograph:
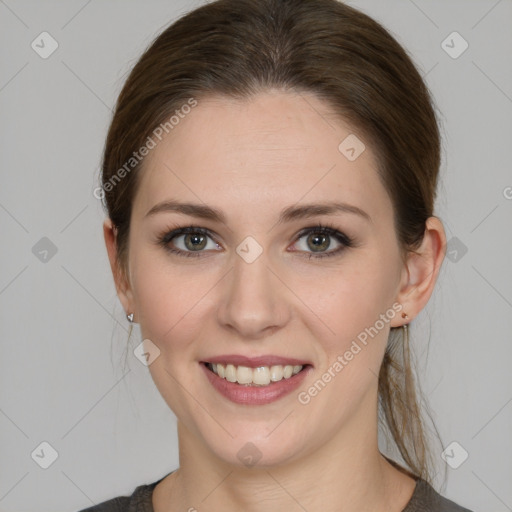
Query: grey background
{"points": [[64, 336]]}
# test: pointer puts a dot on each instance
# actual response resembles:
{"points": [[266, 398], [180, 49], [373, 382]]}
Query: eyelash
{"points": [[324, 229]]}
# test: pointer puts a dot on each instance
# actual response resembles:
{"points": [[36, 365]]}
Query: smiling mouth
{"points": [[260, 376]]}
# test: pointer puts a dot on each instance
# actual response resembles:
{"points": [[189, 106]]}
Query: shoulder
{"points": [[426, 499], [139, 501]]}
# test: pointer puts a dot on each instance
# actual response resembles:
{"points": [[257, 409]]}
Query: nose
{"points": [[253, 303]]}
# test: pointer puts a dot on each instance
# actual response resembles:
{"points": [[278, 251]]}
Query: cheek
{"points": [[167, 293], [357, 305], [171, 304], [351, 298]]}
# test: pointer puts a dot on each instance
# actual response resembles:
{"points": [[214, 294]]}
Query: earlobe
{"points": [[421, 270], [120, 281]]}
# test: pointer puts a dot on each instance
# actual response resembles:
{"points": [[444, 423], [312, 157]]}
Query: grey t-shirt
{"points": [[424, 499]]}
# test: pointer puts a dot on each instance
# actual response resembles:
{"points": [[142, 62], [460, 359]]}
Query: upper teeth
{"points": [[261, 376]]}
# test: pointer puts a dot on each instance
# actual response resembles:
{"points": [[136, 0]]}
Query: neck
{"points": [[347, 474]]}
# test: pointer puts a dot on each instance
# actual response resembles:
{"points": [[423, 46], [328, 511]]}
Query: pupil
{"points": [[319, 241], [195, 242]]}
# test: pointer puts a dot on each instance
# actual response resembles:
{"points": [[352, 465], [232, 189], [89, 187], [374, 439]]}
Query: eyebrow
{"points": [[287, 214]]}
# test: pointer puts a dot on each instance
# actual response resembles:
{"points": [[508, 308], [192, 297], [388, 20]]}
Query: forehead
{"points": [[272, 149]]}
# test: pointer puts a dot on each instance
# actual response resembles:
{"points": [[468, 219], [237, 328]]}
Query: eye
{"points": [[320, 238], [188, 241], [192, 241]]}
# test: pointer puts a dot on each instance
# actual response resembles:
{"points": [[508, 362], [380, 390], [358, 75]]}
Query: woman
{"points": [[269, 178]]}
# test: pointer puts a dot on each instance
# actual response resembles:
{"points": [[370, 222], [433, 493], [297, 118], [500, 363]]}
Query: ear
{"points": [[123, 288], [420, 271]]}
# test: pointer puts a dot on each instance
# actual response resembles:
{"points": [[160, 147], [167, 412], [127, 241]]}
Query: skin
{"points": [[251, 159]]}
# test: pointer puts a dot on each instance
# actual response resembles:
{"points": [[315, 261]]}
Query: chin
{"points": [[255, 451]]}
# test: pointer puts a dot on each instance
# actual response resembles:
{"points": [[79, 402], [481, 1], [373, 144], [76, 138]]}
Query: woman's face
{"points": [[265, 282]]}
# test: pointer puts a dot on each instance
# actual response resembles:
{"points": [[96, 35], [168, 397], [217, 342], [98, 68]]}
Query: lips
{"points": [[277, 376], [256, 395]]}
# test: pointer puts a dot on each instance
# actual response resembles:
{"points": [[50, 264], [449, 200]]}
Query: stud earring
{"points": [[405, 316], [130, 318]]}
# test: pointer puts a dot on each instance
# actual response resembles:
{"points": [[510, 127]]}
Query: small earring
{"points": [[130, 318], [405, 316]]}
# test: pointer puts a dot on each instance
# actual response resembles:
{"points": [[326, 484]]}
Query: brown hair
{"points": [[237, 48]]}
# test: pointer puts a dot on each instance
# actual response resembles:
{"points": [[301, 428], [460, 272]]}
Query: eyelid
{"points": [[328, 229], [170, 234]]}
